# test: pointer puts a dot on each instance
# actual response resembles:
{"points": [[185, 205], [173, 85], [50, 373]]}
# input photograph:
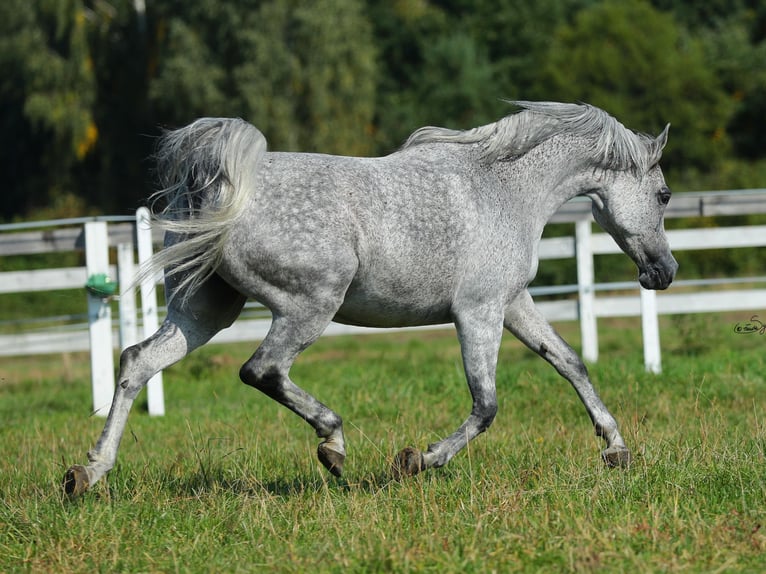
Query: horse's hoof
{"points": [[616, 456], [76, 481], [332, 460], [408, 462]]}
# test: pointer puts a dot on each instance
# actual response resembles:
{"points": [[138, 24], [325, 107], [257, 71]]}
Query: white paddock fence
{"points": [[94, 236], [132, 240]]}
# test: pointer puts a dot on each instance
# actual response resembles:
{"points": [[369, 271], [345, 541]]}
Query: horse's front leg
{"points": [[524, 320], [480, 332]]}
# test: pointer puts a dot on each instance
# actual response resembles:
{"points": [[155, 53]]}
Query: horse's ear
{"points": [[662, 139], [656, 146]]}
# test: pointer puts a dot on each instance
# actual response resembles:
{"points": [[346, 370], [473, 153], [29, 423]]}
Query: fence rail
{"points": [[592, 302]]}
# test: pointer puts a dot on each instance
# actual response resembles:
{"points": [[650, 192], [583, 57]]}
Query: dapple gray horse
{"points": [[444, 230]]}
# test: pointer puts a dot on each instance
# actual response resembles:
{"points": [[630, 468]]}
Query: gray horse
{"points": [[444, 230]]}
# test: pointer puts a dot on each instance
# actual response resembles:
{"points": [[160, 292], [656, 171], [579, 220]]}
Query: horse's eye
{"points": [[664, 196]]}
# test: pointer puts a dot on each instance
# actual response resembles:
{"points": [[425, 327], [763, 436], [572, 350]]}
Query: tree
{"points": [[740, 65], [635, 62], [307, 75], [86, 85], [188, 76], [49, 91], [268, 78], [517, 34], [732, 34], [434, 71], [697, 15]]}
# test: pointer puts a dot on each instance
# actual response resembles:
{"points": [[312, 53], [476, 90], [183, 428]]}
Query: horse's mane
{"points": [[614, 146]]}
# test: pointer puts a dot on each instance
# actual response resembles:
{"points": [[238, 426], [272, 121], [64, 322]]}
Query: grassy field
{"points": [[228, 481]]}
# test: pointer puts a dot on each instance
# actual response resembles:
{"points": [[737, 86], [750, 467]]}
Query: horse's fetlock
{"points": [[435, 457], [608, 433], [330, 425], [96, 460]]}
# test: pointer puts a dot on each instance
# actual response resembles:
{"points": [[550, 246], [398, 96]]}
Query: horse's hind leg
{"points": [[187, 326], [268, 371]]}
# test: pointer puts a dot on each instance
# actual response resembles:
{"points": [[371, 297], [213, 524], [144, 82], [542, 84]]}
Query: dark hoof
{"points": [[331, 459], [76, 481], [616, 456], [408, 462]]}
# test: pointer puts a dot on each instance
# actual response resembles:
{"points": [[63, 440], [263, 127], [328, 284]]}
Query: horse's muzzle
{"points": [[658, 274]]}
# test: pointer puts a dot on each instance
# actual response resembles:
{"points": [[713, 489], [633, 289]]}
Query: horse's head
{"points": [[630, 206]]}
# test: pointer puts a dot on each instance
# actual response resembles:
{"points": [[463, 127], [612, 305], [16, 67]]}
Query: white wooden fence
{"points": [[593, 300], [95, 238]]}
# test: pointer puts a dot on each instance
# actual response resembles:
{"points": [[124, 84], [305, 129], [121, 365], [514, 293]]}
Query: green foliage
{"points": [[59, 78], [455, 81], [48, 94], [518, 35], [634, 61], [190, 73], [740, 65], [701, 15], [308, 80], [85, 85], [268, 77]]}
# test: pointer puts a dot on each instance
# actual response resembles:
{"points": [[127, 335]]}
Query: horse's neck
{"points": [[543, 179]]}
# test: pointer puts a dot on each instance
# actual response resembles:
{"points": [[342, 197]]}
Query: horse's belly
{"points": [[371, 310]]}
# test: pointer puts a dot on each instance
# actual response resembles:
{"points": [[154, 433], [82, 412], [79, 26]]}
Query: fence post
{"points": [[99, 320], [586, 291], [651, 331], [128, 314], [154, 390]]}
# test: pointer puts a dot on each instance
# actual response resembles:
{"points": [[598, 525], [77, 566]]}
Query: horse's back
{"points": [[400, 202]]}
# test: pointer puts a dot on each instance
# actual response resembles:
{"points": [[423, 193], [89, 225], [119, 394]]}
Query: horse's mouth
{"points": [[658, 275]]}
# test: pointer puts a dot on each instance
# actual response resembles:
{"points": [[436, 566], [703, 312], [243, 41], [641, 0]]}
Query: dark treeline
{"points": [[87, 85]]}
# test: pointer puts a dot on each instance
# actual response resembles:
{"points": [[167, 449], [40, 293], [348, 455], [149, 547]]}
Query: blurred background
{"points": [[87, 85]]}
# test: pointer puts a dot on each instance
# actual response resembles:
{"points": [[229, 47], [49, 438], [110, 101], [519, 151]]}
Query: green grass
{"points": [[228, 481]]}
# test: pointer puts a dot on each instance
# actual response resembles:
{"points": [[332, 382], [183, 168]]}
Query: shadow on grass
{"points": [[216, 482]]}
